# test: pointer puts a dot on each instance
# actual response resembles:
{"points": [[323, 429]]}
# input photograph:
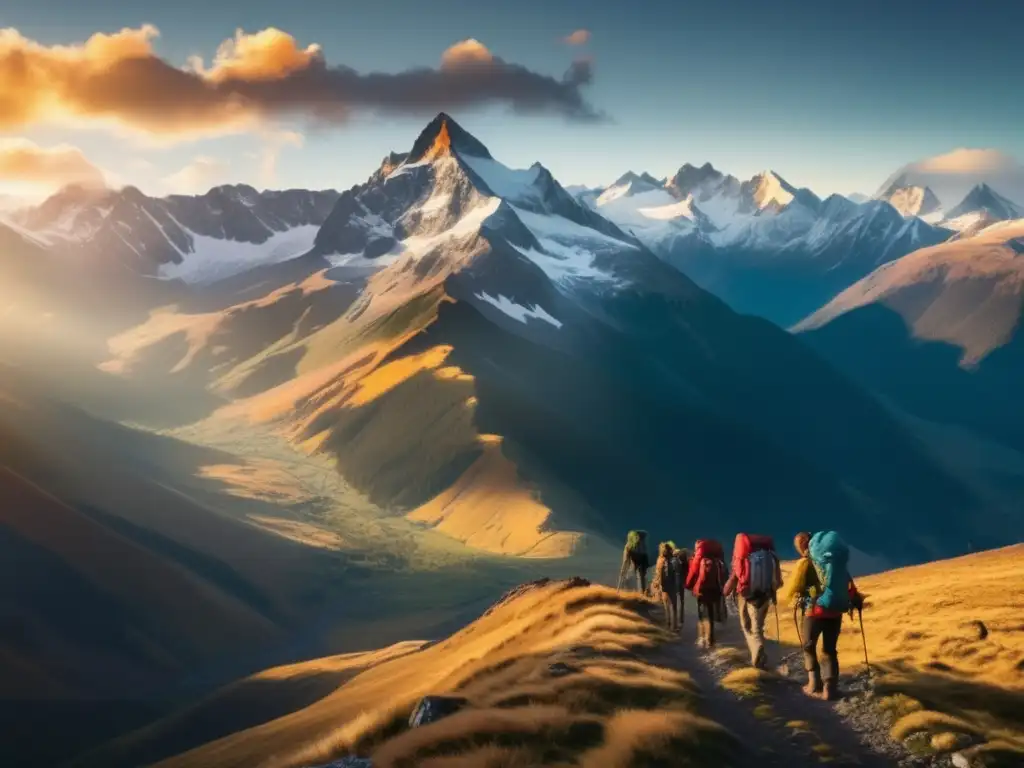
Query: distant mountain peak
{"points": [[983, 199], [640, 179], [441, 137], [911, 199]]}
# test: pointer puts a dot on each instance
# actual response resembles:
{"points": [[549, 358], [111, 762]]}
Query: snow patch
{"points": [[569, 248], [518, 311], [511, 184], [213, 259]]}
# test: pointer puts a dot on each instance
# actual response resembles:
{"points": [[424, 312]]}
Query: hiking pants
{"points": [[641, 580], [706, 615], [752, 618], [828, 630], [670, 599]]}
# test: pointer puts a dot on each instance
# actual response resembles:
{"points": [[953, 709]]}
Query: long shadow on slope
{"points": [[874, 346], [690, 429]]}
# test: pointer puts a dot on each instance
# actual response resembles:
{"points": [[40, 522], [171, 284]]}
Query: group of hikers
{"points": [[820, 586]]}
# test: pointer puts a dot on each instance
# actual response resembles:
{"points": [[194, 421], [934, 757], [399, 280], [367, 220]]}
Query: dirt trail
{"points": [[777, 723]]}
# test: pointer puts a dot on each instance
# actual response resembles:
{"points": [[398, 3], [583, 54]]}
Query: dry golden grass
{"points": [[934, 671], [490, 508], [923, 617], [611, 709], [930, 722], [745, 681]]}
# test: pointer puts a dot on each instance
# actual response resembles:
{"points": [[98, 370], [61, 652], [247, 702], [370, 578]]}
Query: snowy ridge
{"points": [[172, 237], [764, 213], [451, 207]]}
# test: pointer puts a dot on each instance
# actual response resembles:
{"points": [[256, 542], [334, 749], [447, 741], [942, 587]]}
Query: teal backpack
{"points": [[830, 557]]}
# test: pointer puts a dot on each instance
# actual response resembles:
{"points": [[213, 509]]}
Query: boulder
{"points": [[559, 669], [430, 709]]}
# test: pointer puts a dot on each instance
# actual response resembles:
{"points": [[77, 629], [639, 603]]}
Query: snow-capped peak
{"points": [[449, 203], [768, 190], [984, 199], [911, 200], [442, 136]]}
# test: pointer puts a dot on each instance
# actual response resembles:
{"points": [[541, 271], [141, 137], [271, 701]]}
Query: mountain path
{"points": [[778, 725]]}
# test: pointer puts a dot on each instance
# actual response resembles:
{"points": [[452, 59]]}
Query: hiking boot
{"points": [[761, 660], [831, 691], [813, 687]]}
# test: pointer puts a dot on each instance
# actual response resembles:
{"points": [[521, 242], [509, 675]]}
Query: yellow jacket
{"points": [[800, 583]]}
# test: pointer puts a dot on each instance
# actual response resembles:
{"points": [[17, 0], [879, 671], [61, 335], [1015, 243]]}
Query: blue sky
{"points": [[834, 96]]}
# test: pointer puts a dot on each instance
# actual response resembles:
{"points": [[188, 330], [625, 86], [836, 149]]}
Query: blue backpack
{"points": [[830, 556]]}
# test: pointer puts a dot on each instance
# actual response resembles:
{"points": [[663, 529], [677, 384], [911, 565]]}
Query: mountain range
{"points": [[456, 367], [191, 238], [455, 320], [775, 250]]}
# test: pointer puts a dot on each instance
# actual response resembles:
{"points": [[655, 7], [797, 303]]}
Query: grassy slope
{"points": [[613, 709], [931, 660], [934, 674]]}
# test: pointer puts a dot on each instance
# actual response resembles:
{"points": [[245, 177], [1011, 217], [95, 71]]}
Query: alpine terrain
{"points": [[763, 245], [460, 327], [938, 332]]}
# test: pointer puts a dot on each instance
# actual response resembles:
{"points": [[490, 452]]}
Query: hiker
{"points": [[635, 558], [682, 559], [706, 580], [822, 587], [667, 583], [754, 583]]}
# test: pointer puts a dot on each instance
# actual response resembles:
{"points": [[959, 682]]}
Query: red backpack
{"points": [[706, 578]]}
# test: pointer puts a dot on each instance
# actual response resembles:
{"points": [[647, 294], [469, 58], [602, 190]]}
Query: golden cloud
{"points": [[579, 37], [267, 55], [253, 78], [965, 160], [466, 53], [26, 162]]}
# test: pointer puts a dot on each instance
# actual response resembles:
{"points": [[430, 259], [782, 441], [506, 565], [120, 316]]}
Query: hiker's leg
{"points": [[829, 639], [760, 613], [666, 602], [745, 621], [747, 609], [673, 601], [702, 623], [641, 580], [811, 631], [682, 609], [712, 616]]}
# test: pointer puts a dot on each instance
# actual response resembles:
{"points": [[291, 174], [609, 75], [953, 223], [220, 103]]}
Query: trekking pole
{"points": [[796, 624], [778, 632], [864, 640]]}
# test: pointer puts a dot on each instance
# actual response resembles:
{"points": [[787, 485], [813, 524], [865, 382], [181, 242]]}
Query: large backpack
{"points": [[830, 557], [709, 560], [754, 563], [669, 577], [682, 566]]}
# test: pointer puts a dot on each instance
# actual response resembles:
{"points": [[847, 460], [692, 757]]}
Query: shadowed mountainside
{"points": [[938, 333], [509, 338]]}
